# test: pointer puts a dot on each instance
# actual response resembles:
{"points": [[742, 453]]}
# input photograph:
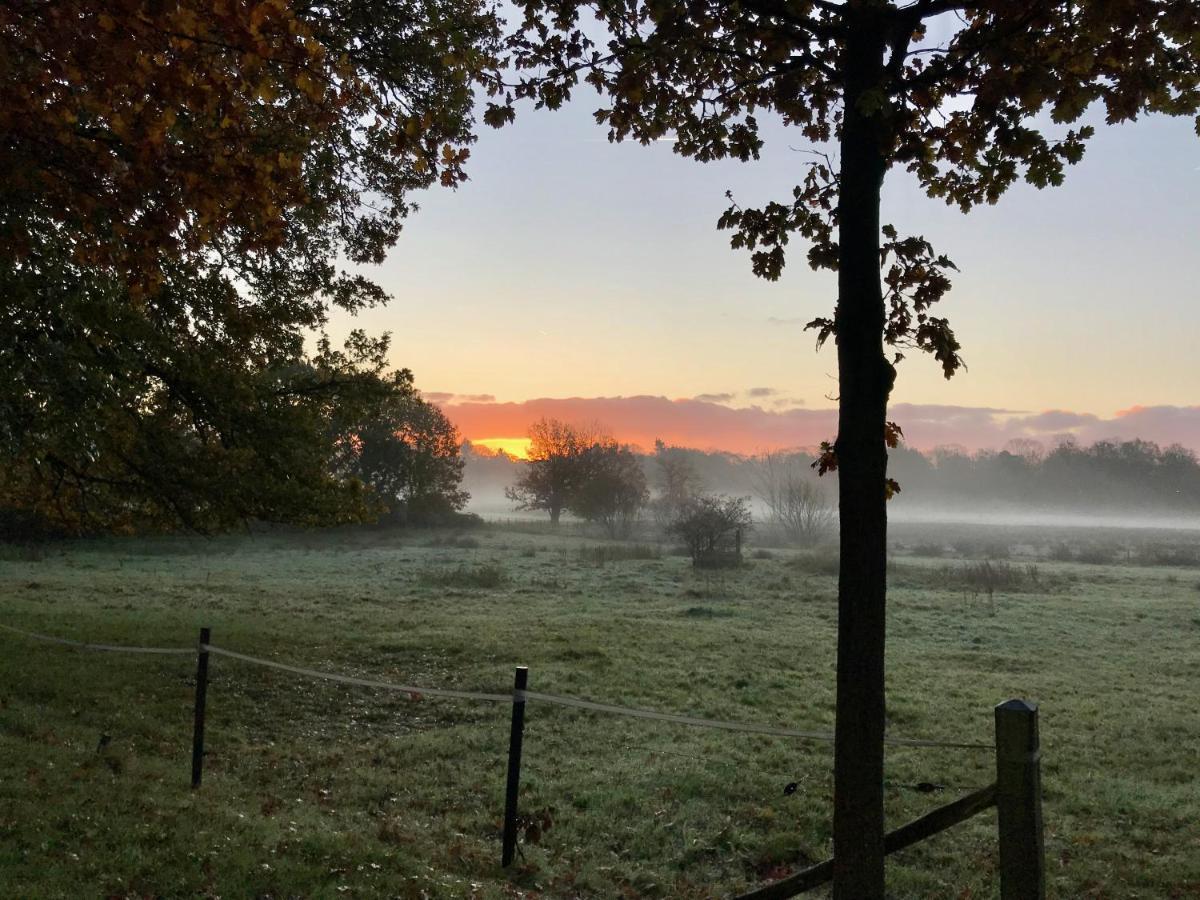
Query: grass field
{"points": [[315, 789]]}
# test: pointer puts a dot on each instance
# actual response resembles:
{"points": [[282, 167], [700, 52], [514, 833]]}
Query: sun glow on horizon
{"points": [[513, 446]]}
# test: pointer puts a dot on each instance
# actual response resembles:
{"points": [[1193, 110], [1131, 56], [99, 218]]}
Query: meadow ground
{"points": [[316, 789]]}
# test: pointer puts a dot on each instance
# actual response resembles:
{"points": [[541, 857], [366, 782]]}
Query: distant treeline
{"points": [[1106, 476]]}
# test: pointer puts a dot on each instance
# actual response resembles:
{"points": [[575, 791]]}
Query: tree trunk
{"points": [[865, 381]]}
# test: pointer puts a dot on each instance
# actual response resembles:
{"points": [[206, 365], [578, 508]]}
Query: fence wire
{"points": [[361, 682], [110, 648], [521, 696], [516, 696]]}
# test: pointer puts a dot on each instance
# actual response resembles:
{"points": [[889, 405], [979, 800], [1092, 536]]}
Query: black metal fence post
{"points": [[1019, 802], [201, 696], [515, 737]]}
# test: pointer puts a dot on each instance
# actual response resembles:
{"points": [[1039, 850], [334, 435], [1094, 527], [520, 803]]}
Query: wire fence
{"points": [[517, 696], [1017, 791]]}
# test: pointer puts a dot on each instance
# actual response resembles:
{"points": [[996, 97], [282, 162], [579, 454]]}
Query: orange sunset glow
{"points": [[513, 446]]}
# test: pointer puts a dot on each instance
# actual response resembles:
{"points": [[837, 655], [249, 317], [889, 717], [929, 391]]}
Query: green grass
{"points": [[315, 789]]}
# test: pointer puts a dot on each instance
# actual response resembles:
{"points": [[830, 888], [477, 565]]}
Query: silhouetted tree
{"points": [[553, 471], [794, 501], [968, 95], [406, 451], [610, 487]]}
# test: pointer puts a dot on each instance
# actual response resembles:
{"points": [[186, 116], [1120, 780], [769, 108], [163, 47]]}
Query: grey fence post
{"points": [[1019, 802], [512, 789], [201, 697]]}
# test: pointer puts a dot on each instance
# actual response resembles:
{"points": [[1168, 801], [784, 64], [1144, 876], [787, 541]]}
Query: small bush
{"points": [[486, 575], [606, 553], [762, 553], [712, 528], [987, 577]]}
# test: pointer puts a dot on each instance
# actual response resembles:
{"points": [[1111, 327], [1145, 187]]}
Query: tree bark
{"points": [[865, 381]]}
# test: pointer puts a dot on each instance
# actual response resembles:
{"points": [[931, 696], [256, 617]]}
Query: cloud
{"points": [[1161, 424], [761, 392], [787, 320], [1055, 420], [448, 397], [928, 425], [708, 423]]}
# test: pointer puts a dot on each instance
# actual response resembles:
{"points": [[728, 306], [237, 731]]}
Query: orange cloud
{"points": [[705, 424], [640, 420]]}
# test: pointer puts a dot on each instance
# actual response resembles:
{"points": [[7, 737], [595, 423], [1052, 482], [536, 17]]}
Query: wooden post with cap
{"points": [[1019, 802]]}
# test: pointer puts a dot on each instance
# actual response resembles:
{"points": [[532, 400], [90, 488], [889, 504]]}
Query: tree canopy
{"points": [[405, 450], [190, 188], [611, 487]]}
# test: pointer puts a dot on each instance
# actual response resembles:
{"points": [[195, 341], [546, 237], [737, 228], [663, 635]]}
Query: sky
{"points": [[571, 269]]}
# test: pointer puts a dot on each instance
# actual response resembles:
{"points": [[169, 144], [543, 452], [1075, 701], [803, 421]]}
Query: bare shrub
{"points": [[795, 502]]}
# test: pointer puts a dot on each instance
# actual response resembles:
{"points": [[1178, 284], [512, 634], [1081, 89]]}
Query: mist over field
{"points": [[1126, 485]]}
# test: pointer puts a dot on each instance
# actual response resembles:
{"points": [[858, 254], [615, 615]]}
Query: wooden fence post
{"points": [[515, 737], [201, 696], [1019, 802]]}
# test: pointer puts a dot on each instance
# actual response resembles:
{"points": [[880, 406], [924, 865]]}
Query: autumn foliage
{"points": [[189, 189], [136, 128]]}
